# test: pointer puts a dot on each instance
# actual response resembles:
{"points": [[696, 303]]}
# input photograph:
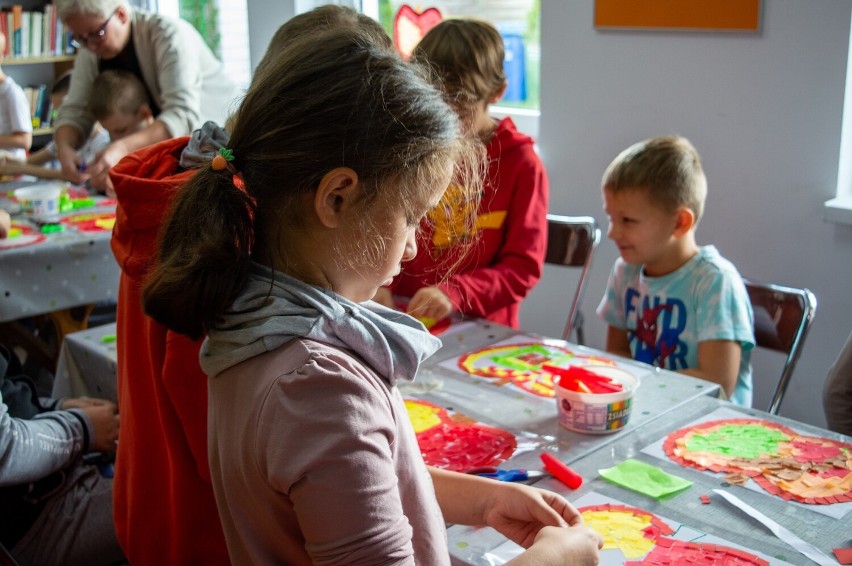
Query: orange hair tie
{"points": [[222, 159]]}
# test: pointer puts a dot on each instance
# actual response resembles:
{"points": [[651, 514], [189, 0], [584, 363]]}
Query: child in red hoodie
{"points": [[499, 260]]}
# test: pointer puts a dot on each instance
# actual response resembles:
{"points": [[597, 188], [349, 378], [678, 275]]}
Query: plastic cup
{"points": [[43, 201], [597, 413]]}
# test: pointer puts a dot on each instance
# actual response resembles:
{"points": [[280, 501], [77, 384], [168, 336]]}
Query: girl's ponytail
{"points": [[205, 247]]}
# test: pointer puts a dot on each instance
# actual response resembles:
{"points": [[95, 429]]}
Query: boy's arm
{"points": [[40, 157], [23, 140], [719, 362], [10, 167], [617, 342]]}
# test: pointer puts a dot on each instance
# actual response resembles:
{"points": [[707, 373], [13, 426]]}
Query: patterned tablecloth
{"points": [[43, 270]]}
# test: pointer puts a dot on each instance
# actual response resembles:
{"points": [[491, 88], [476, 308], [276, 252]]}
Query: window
{"points": [[224, 26], [518, 22], [839, 209]]}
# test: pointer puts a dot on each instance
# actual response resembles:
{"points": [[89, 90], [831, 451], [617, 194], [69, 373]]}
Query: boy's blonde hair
{"points": [[668, 168], [118, 91], [467, 55]]}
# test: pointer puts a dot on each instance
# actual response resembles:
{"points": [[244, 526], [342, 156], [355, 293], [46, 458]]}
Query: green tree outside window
{"points": [[204, 16]]}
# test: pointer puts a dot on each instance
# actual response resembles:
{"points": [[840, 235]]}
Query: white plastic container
{"points": [[43, 200], [597, 413]]}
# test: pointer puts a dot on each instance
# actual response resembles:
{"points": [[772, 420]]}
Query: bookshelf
{"points": [[37, 52]]}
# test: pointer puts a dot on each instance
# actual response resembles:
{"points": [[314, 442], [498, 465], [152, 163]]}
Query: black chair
{"points": [[782, 318], [571, 242]]}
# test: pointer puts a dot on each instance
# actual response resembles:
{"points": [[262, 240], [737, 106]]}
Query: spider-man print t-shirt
{"points": [[666, 317]]}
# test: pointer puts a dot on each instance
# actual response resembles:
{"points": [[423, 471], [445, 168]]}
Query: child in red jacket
{"points": [[499, 260]]}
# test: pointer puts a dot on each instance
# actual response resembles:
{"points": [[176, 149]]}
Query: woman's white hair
{"points": [[102, 8]]}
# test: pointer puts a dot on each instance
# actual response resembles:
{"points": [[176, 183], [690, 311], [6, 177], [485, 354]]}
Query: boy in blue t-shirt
{"points": [[670, 302]]}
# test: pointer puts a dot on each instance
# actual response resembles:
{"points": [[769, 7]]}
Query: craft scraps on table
{"points": [[453, 441], [21, 235], [807, 469], [91, 221], [520, 364], [645, 479]]}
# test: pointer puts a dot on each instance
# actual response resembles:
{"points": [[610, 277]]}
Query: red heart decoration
{"points": [[409, 27]]}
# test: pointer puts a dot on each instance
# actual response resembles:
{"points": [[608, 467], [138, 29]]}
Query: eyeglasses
{"points": [[79, 41]]}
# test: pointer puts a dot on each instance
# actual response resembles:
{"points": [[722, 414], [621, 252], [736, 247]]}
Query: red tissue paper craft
{"points": [[409, 27]]}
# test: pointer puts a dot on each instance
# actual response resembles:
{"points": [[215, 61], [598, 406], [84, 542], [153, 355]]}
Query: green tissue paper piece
{"points": [[645, 478], [108, 338]]}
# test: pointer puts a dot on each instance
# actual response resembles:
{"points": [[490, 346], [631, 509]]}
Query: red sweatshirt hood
{"points": [[506, 137], [145, 184]]}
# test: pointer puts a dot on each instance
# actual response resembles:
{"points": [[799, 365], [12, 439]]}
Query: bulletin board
{"points": [[705, 15]]}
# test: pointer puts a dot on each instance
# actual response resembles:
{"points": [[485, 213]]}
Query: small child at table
{"points": [[16, 123], [670, 302], [499, 257], [121, 109], [46, 156]]}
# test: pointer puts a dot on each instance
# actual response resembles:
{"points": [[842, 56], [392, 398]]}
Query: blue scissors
{"points": [[514, 475]]}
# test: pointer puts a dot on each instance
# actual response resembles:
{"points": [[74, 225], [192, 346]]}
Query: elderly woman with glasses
{"points": [[186, 84]]}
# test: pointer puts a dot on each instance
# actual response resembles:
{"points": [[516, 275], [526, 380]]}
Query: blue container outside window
{"points": [[514, 65]]}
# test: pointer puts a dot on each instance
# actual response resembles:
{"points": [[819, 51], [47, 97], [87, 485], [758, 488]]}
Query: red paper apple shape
{"points": [[409, 27]]}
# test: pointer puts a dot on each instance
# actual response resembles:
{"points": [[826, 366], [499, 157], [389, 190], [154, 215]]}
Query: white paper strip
{"points": [[782, 533]]}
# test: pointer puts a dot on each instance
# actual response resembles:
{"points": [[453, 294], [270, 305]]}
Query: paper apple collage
{"points": [[807, 469], [452, 441], [640, 534], [520, 365]]}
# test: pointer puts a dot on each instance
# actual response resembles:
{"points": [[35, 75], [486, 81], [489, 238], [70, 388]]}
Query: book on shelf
{"points": [[41, 109], [35, 33]]}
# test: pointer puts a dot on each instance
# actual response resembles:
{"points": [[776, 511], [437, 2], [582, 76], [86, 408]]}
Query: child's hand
{"points": [[519, 512], [71, 163], [544, 522], [430, 302], [561, 546], [5, 223], [105, 423], [104, 161], [82, 402]]}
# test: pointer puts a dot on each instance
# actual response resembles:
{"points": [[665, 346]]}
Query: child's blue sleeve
{"points": [[611, 307], [726, 312]]}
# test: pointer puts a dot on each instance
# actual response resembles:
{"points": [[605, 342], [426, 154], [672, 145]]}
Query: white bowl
{"points": [[43, 200], [597, 413]]}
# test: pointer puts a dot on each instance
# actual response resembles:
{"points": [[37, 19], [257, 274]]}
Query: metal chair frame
{"points": [[782, 318], [571, 242]]}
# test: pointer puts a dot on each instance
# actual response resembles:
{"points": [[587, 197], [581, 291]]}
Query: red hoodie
{"points": [[507, 258], [165, 513]]}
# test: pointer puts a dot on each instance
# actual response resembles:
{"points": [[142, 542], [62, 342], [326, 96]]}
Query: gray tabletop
{"points": [[817, 525], [64, 269], [87, 364], [441, 383]]}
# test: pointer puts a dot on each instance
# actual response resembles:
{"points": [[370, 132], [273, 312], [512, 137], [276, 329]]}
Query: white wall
{"points": [[764, 110], [264, 18]]}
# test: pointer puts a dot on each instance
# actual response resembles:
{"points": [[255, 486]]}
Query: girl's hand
{"points": [[430, 302], [565, 546], [519, 512]]}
